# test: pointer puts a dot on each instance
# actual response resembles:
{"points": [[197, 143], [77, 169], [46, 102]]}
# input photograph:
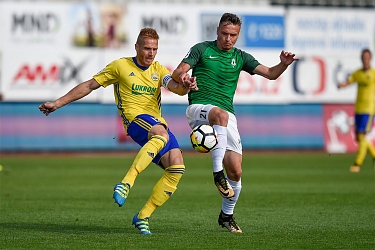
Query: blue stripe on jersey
{"points": [[119, 105]]}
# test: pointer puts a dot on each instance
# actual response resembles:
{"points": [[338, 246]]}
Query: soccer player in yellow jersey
{"points": [[364, 107], [137, 85]]}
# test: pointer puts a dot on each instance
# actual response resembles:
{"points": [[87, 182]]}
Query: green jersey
{"points": [[217, 73]]}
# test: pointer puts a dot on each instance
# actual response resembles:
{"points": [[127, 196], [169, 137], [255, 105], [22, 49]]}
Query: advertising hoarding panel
{"points": [[339, 130]]}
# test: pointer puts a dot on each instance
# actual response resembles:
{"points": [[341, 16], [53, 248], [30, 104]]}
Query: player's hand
{"points": [[187, 81], [47, 107], [287, 57], [191, 83]]}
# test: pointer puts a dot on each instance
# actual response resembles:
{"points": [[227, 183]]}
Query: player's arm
{"points": [[182, 87], [286, 58], [343, 84], [180, 73], [181, 76], [76, 93]]}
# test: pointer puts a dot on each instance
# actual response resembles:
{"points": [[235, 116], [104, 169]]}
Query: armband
{"points": [[166, 80]]}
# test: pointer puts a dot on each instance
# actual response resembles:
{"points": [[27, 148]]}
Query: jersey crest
{"points": [[155, 77], [233, 62]]}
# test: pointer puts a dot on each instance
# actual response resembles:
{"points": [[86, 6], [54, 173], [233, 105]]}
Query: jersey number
{"points": [[203, 114]]}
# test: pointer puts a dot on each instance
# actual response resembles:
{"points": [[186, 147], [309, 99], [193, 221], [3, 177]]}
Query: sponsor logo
{"points": [[51, 75], [41, 23], [264, 31], [169, 193], [151, 154], [142, 90], [212, 57], [209, 26], [132, 74], [302, 85], [172, 25], [225, 194]]}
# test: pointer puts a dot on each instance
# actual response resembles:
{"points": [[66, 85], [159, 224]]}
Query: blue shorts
{"points": [[140, 134], [363, 123]]}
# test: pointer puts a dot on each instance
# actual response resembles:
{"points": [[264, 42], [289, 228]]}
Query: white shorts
{"points": [[197, 114]]}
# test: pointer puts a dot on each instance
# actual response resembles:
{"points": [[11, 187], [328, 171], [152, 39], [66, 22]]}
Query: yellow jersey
{"points": [[366, 90], [136, 88]]}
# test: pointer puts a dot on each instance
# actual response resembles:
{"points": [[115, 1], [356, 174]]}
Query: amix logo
{"points": [[39, 74], [142, 90]]}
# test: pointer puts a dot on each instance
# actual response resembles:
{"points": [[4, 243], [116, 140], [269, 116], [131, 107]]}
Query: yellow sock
{"points": [[362, 149], [163, 190], [144, 157], [371, 149]]}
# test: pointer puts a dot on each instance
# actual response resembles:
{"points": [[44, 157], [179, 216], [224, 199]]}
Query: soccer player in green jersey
{"points": [[364, 107], [137, 83], [217, 66]]}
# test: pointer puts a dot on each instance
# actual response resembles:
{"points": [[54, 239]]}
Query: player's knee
{"points": [[235, 174], [159, 130], [158, 142], [219, 117]]}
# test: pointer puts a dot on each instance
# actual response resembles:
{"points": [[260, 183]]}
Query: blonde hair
{"points": [[147, 33]]}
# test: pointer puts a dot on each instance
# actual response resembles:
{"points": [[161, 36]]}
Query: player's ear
{"points": [[217, 31]]}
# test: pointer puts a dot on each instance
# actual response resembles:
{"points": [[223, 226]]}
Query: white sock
{"points": [[219, 151], [228, 204]]}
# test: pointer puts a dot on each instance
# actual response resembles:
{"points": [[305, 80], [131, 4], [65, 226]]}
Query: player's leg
{"points": [[152, 136], [363, 123], [361, 153], [198, 114], [219, 120], [171, 158], [233, 166], [370, 146]]}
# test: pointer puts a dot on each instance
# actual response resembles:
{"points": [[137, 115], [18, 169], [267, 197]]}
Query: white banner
{"points": [[329, 42], [330, 30], [44, 75], [47, 48], [29, 25]]}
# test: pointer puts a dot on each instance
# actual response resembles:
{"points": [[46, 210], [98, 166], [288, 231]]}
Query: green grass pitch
{"points": [[289, 200]]}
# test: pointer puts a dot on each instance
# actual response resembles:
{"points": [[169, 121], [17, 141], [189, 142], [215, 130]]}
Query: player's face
{"points": [[227, 36], [146, 51], [366, 60]]}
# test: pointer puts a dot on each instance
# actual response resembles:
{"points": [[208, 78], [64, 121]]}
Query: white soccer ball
{"points": [[203, 138]]}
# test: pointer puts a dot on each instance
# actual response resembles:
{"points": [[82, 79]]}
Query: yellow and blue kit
{"points": [[365, 105], [138, 97]]}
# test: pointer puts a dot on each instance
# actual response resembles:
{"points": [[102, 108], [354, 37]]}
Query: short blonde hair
{"points": [[147, 33]]}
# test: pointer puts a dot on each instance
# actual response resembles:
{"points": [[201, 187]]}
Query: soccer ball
{"points": [[203, 138]]}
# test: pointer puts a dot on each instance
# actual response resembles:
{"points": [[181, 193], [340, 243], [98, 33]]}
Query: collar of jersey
{"points": [[139, 66]]}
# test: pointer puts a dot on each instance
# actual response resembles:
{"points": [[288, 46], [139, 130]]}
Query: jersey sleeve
{"points": [[109, 75], [249, 63], [194, 54], [352, 77]]}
